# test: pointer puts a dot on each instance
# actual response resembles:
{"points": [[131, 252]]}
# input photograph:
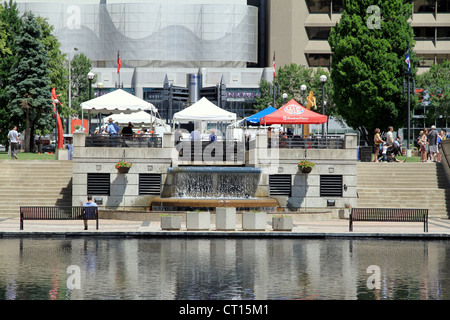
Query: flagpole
{"points": [[408, 70]]}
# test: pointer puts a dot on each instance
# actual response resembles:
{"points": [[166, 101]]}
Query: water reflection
{"points": [[172, 269]]}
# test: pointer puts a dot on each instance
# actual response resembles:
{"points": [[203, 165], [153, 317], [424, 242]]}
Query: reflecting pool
{"points": [[263, 269]]}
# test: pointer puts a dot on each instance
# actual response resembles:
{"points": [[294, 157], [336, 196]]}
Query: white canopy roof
{"points": [[116, 102], [136, 118], [204, 110]]}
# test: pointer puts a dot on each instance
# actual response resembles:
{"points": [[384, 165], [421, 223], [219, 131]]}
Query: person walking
{"points": [[390, 136], [422, 142], [88, 214], [433, 143], [377, 142], [14, 142]]}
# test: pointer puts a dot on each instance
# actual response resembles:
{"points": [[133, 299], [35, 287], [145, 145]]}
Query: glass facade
{"points": [[319, 60], [424, 6], [147, 32], [318, 33]]}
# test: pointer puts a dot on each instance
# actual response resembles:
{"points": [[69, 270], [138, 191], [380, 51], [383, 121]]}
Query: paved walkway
{"points": [[437, 228]]}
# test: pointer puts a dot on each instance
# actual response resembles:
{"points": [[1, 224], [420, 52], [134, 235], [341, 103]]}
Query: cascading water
{"points": [[215, 182]]}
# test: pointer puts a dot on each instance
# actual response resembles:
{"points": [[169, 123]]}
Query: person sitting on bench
{"points": [[88, 204]]}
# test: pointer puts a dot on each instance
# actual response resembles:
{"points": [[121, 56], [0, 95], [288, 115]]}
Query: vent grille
{"points": [[149, 184], [98, 184], [331, 186], [280, 185]]}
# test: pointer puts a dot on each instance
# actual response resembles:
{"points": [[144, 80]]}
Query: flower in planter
{"points": [[306, 164], [123, 164]]}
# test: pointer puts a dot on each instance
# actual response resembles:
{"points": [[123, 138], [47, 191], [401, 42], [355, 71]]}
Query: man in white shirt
{"points": [[14, 141]]}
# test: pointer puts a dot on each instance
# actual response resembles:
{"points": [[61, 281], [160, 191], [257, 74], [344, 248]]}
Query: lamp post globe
{"points": [[323, 79]]}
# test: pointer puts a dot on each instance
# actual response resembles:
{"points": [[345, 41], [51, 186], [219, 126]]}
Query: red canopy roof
{"points": [[293, 113]]}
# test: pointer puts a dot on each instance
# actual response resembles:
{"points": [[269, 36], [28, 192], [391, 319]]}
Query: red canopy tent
{"points": [[293, 113]]}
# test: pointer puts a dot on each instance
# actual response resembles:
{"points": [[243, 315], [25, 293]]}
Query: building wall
{"points": [[155, 33], [290, 21]]}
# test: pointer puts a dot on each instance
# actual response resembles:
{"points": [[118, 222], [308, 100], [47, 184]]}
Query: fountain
{"points": [[206, 188]]}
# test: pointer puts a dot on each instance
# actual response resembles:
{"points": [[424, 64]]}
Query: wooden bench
{"points": [[58, 213], [389, 215]]}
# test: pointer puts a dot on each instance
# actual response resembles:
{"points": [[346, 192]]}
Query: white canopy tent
{"points": [[204, 110], [116, 102], [119, 101]]}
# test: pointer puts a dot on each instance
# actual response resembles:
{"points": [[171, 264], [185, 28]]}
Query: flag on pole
{"points": [[408, 63], [119, 62], [273, 66]]}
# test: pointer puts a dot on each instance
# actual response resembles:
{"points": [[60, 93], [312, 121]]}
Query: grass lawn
{"points": [[28, 156], [410, 159]]}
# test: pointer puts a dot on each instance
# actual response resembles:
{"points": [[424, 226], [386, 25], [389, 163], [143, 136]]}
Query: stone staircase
{"points": [[404, 185], [34, 183]]}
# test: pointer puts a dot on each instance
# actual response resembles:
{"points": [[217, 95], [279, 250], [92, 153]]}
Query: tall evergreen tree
{"points": [[29, 90], [9, 28], [369, 46]]}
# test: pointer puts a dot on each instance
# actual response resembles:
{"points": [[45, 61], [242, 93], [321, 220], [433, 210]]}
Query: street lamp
{"points": [[303, 88], [285, 95], [90, 77], [323, 79], [70, 88]]}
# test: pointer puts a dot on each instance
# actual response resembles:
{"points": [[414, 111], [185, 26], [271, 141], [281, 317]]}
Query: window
{"points": [[443, 6], [280, 185], [424, 33], [443, 33], [149, 184], [426, 60], [424, 6], [318, 6], [331, 186], [318, 33], [441, 57], [98, 184], [319, 60], [338, 6]]}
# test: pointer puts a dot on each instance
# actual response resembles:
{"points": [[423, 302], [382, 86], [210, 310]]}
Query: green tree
{"points": [[368, 65], [9, 28], [29, 90], [81, 66], [436, 82], [57, 66], [289, 80]]}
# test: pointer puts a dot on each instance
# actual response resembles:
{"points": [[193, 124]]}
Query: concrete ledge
{"points": [[223, 234]]}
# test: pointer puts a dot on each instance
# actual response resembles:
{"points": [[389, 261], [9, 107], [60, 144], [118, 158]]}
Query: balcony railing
{"points": [[124, 141], [303, 142]]}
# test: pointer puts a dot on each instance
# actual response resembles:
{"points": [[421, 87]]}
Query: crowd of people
{"points": [[113, 129], [429, 145]]}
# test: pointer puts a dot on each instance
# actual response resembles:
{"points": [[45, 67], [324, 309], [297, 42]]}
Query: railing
{"points": [[124, 141], [308, 142], [302, 142], [211, 151]]}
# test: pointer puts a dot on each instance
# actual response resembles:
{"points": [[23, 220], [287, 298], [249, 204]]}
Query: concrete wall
{"points": [[124, 192], [305, 188]]}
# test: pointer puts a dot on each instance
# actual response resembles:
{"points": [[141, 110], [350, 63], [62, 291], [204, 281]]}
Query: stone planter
{"points": [[123, 169], [226, 218], [254, 221], [344, 213], [62, 154], [198, 220], [306, 169], [171, 222], [283, 223]]}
